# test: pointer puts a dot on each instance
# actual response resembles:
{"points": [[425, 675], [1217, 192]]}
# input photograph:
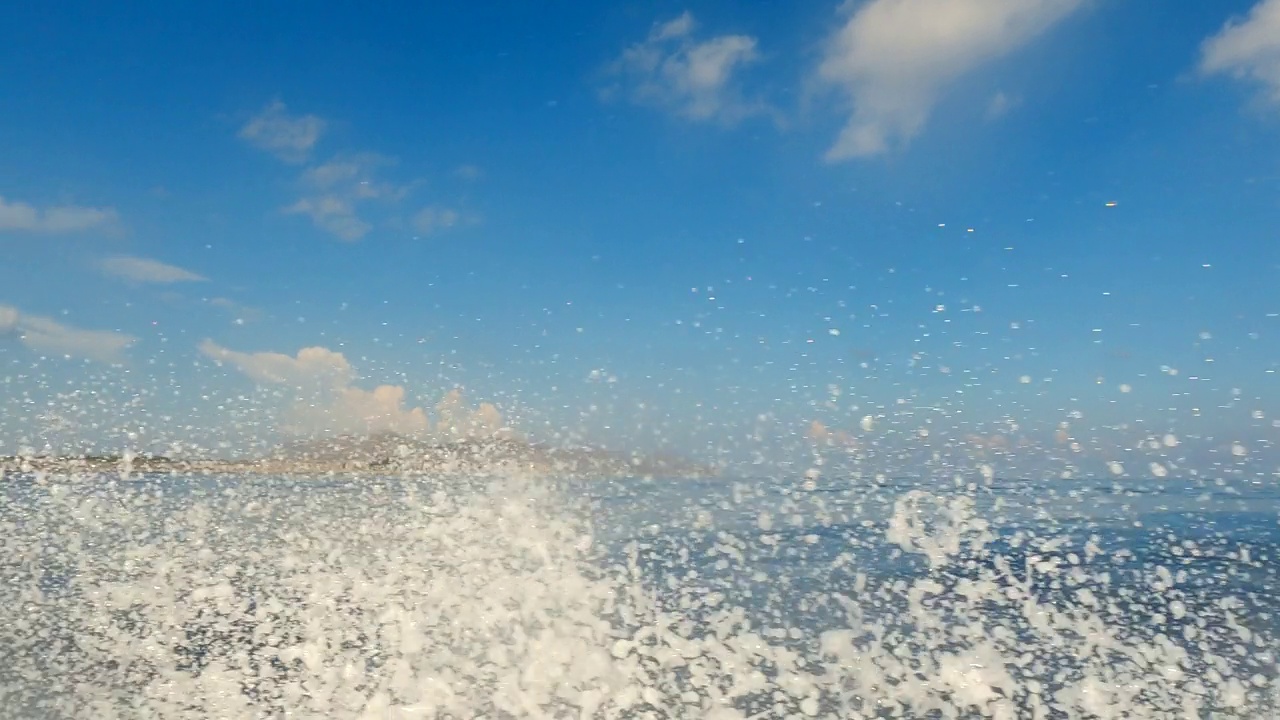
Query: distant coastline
{"points": [[385, 454]]}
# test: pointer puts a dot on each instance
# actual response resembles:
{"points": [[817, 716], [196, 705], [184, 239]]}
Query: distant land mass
{"points": [[385, 454]]}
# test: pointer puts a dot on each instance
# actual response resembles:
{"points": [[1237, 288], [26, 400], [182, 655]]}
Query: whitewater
{"points": [[819, 595]]}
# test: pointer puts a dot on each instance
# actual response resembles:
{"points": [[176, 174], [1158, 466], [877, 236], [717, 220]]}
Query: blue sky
{"points": [[656, 223]]}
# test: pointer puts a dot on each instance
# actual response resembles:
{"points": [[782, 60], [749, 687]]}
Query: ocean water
{"points": [[820, 595]]}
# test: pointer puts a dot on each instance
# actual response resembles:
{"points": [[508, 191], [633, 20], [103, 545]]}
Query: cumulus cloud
{"points": [[1248, 48], [329, 402], [288, 137], [455, 420], [892, 58], [146, 270], [692, 78], [18, 216], [311, 367], [46, 335], [354, 411]]}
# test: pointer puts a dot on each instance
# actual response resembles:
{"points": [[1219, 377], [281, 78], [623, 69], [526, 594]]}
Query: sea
{"points": [[814, 594]]}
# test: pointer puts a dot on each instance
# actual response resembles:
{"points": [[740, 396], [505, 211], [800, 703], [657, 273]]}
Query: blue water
{"points": [[1199, 526], [799, 567]]}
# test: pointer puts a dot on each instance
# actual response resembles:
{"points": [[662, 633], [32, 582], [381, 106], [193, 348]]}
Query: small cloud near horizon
{"points": [[330, 403], [43, 334], [147, 270], [820, 433], [312, 366], [17, 216]]}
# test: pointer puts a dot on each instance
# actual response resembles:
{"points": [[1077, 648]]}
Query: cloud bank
{"points": [[892, 58], [46, 335], [18, 216], [1248, 48]]}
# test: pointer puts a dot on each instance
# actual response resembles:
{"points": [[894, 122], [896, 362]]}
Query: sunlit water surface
{"points": [[237, 597]]}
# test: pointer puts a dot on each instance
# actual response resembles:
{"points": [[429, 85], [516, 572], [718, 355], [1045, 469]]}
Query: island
{"points": [[381, 454]]}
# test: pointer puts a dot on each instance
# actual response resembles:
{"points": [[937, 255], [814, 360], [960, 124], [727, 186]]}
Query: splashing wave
{"points": [[196, 597]]}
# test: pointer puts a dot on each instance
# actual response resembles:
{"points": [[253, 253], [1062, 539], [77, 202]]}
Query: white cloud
{"points": [[433, 219], [328, 402], [893, 57], [312, 367], [288, 137], [455, 420], [345, 195], [240, 313], [354, 411], [336, 188], [23, 217], [335, 215], [677, 28], [147, 270], [355, 175], [1248, 48], [693, 78], [46, 335], [8, 319]]}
